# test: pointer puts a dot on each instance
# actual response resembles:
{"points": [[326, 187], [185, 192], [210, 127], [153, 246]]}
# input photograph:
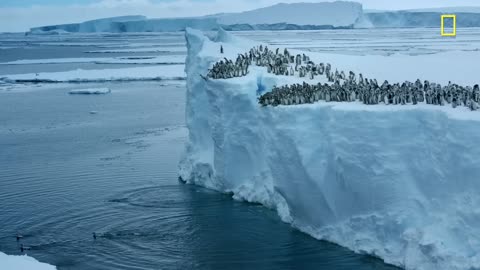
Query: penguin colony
{"points": [[343, 88], [371, 93]]}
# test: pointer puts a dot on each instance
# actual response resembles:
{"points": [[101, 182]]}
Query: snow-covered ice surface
{"points": [[166, 72], [371, 41], [22, 263], [157, 60], [338, 13], [55, 61], [153, 60], [397, 182], [142, 50], [90, 91]]}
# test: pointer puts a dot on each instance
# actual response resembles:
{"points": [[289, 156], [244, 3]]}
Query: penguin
{"points": [[221, 49], [94, 236]]}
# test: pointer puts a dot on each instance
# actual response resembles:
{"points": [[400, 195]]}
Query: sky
{"points": [[20, 15]]}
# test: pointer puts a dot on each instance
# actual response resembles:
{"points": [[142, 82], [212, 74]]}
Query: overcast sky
{"points": [[20, 15]]}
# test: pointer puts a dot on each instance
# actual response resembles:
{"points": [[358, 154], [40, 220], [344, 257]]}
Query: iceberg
{"points": [[283, 16], [176, 49], [153, 73], [141, 60], [22, 263], [336, 14], [396, 182], [100, 25], [326, 15], [90, 91]]}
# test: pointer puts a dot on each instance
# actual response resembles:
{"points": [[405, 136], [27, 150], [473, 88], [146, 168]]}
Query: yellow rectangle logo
{"points": [[454, 18]]}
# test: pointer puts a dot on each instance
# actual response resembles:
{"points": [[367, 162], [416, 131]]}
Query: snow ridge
{"points": [[394, 183]]}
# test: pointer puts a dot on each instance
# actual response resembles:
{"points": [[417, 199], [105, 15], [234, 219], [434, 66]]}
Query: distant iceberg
{"points": [[327, 15], [295, 16], [100, 25]]}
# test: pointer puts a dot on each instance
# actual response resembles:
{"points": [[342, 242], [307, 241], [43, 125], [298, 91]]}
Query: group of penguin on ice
{"points": [[341, 87]]}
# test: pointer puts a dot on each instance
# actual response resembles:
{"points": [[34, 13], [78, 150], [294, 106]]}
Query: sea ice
{"points": [[154, 60], [143, 50], [22, 263], [54, 61], [153, 73], [90, 91]]}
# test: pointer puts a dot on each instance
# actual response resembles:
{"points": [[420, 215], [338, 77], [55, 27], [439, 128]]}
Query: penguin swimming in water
{"points": [[24, 248], [94, 236]]}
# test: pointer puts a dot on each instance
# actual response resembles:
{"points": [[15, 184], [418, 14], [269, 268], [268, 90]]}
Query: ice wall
{"points": [[400, 183], [418, 19], [294, 16], [100, 25]]}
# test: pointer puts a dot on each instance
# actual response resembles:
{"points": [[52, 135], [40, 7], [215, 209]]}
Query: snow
{"points": [[455, 66], [22, 263], [53, 61], [159, 60], [142, 45], [76, 44], [153, 60], [90, 91], [396, 182], [153, 73], [142, 50], [402, 19]]}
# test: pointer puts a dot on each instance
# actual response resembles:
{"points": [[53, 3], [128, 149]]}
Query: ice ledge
{"points": [[397, 182]]}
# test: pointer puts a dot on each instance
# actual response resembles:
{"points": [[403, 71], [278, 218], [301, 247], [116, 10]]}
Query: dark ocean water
{"points": [[65, 173]]}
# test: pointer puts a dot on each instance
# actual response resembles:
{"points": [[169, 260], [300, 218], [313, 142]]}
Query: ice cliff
{"points": [[336, 14], [294, 16], [100, 25], [400, 183], [413, 19], [339, 14]]}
